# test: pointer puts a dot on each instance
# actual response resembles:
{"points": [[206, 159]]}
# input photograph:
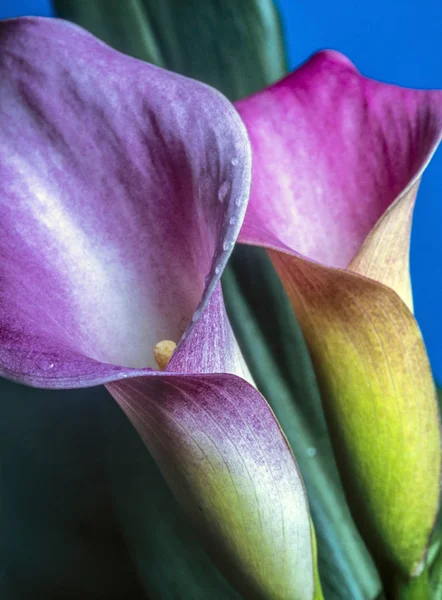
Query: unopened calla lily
{"points": [[337, 163], [123, 189]]}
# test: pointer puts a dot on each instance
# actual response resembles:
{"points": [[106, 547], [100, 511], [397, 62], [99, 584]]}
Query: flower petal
{"points": [[332, 151], [123, 188], [223, 454], [385, 254], [210, 347], [380, 403]]}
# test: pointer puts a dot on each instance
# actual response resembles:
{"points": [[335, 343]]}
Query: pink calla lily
{"points": [[337, 160], [333, 150], [123, 189]]}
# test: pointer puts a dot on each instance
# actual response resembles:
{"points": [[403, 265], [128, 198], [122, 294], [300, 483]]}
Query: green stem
{"points": [[415, 588]]}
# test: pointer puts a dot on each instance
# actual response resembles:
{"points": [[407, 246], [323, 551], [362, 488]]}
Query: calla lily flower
{"points": [[337, 163], [123, 189]]}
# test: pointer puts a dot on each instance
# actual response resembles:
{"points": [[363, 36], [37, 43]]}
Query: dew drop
{"points": [[235, 161], [311, 452], [232, 221], [217, 270], [223, 191], [238, 202], [45, 364], [227, 246]]}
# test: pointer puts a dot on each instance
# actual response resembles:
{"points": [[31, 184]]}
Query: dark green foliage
{"points": [[85, 512], [233, 46]]}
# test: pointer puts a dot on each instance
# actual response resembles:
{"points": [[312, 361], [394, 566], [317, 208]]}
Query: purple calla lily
{"points": [[123, 190]]}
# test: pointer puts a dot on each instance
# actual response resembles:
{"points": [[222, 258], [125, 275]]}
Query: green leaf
{"points": [[84, 511], [274, 348], [237, 49], [59, 537], [436, 575]]}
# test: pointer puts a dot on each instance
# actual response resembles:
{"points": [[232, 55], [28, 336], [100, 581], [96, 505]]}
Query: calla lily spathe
{"points": [[337, 163], [123, 188]]}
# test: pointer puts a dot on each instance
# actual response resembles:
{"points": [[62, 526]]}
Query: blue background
{"points": [[397, 41]]}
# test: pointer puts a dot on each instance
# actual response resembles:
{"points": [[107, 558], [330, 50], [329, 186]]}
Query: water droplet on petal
{"points": [[238, 202], [311, 452], [235, 161], [227, 245], [232, 220], [217, 270], [223, 191], [45, 364]]}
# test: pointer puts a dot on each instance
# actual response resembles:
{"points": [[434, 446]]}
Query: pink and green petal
{"points": [[380, 404], [337, 164], [332, 150], [223, 454], [122, 190]]}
